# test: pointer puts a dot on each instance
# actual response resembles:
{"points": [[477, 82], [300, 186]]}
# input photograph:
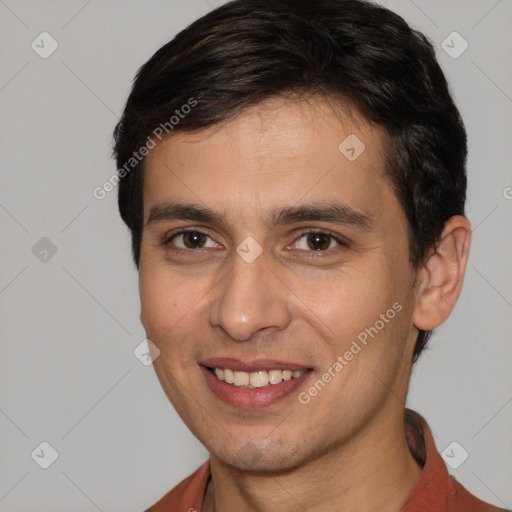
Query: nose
{"points": [[249, 298]]}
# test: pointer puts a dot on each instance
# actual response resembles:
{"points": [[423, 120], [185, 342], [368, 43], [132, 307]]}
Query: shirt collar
{"points": [[434, 490]]}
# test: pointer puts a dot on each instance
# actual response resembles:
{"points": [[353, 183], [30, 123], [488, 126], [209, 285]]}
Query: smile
{"points": [[256, 379], [255, 384]]}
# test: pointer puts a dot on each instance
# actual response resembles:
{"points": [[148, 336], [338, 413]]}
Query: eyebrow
{"points": [[333, 212]]}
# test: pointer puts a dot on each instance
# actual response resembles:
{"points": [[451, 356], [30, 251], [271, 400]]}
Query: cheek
{"points": [[351, 298], [162, 304], [367, 312], [170, 335], [172, 310]]}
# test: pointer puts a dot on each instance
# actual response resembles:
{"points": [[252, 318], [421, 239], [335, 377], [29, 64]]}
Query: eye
{"points": [[318, 241], [190, 239]]}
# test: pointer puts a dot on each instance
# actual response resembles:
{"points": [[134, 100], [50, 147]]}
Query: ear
{"points": [[440, 279]]}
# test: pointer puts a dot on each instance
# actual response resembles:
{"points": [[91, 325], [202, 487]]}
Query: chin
{"points": [[262, 457]]}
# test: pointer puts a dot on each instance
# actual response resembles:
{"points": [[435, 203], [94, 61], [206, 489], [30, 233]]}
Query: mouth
{"points": [[254, 384], [257, 379]]}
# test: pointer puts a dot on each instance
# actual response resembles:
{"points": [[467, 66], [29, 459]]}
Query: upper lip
{"points": [[252, 365]]}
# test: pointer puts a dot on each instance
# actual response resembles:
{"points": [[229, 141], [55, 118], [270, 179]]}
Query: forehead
{"points": [[276, 153]]}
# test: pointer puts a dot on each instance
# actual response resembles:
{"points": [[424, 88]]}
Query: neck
{"points": [[373, 471]]}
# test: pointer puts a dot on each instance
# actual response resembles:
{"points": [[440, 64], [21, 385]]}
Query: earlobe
{"points": [[441, 278]]}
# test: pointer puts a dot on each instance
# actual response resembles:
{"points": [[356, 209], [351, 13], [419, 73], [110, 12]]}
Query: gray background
{"points": [[70, 324]]}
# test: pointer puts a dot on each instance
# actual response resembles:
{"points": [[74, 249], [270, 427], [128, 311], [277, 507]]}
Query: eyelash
{"points": [[343, 243]]}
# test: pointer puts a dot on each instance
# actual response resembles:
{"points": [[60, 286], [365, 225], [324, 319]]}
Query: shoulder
{"points": [[187, 496], [467, 501], [436, 490]]}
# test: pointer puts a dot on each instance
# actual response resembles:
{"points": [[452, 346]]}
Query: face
{"points": [[270, 252]]}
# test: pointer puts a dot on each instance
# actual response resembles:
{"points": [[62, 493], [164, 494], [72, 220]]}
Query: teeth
{"points": [[258, 379], [229, 376], [241, 379], [275, 376]]}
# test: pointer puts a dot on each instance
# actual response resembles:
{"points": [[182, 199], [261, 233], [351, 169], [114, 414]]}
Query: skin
{"points": [[293, 303]]}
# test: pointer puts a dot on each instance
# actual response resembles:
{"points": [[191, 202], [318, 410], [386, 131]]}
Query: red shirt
{"points": [[436, 490]]}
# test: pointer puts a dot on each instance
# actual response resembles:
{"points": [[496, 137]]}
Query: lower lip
{"points": [[255, 398]]}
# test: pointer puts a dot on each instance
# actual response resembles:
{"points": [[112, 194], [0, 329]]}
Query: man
{"points": [[293, 176]]}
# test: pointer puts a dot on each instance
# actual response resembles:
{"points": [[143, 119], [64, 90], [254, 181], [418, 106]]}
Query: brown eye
{"points": [[193, 238], [317, 241], [190, 240]]}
